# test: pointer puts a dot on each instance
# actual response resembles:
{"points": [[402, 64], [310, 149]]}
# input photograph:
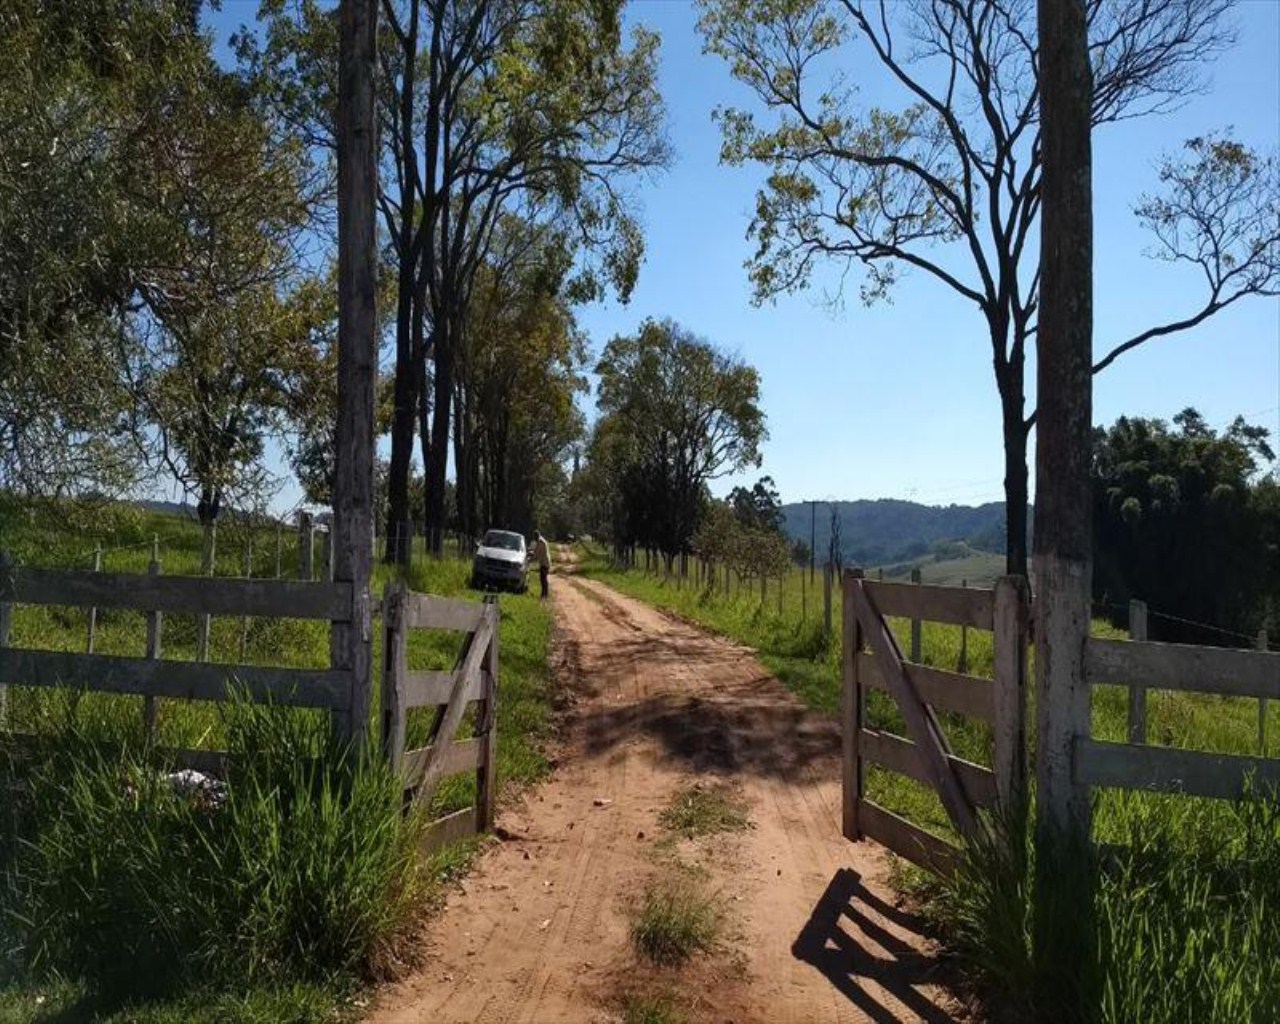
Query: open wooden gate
{"points": [[873, 659], [474, 679]]}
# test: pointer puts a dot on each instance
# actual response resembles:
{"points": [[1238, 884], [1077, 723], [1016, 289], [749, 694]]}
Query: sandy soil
{"points": [[539, 931]]}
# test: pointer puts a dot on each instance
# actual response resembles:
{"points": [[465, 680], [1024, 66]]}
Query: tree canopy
{"points": [[675, 414], [1185, 520]]}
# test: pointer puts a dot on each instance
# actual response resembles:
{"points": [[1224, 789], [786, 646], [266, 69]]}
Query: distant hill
{"points": [[886, 532]]}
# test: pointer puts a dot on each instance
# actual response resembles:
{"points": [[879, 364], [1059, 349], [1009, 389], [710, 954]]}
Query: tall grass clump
{"points": [[1187, 916], [302, 869]]}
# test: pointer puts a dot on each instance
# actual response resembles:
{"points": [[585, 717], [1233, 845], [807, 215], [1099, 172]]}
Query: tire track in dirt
{"points": [[538, 932]]}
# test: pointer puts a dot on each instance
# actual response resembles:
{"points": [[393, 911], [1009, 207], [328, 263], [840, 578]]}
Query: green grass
{"points": [[651, 1008], [58, 986], [704, 810], [676, 918], [1188, 905]]}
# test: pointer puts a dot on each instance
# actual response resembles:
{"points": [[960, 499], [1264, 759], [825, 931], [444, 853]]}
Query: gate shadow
{"points": [[849, 965]]}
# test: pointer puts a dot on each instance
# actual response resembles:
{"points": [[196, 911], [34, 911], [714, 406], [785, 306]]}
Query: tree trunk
{"points": [[437, 456], [1015, 479], [1065, 948], [406, 395]]}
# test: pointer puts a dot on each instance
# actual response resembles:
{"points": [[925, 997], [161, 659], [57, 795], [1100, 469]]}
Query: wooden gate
{"points": [[873, 660], [474, 679]]}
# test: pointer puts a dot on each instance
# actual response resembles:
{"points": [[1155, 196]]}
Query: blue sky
{"points": [[898, 400]]}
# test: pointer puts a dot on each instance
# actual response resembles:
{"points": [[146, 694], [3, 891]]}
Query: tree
{"points": [[519, 375], [675, 414], [1191, 490], [951, 183], [228, 298], [83, 95], [759, 507], [489, 108]]}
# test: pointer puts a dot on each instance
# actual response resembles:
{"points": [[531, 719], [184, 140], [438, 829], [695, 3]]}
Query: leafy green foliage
{"points": [[1190, 490], [675, 413]]}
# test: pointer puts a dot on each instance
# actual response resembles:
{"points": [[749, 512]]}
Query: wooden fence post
{"points": [[208, 559], [962, 665], [394, 668], [93, 612], [155, 643], [306, 545], [1009, 726], [279, 551], [915, 623], [6, 626], [326, 555], [826, 602], [851, 711], [248, 574], [1137, 694], [1262, 701], [487, 728]]}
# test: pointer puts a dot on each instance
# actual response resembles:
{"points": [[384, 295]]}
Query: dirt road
{"points": [[539, 932]]}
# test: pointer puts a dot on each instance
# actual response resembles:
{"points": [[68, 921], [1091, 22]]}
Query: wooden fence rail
{"points": [[1142, 666], [151, 675], [474, 680]]}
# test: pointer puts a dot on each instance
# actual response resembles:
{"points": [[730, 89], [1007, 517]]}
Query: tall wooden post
{"points": [[93, 612], [279, 551], [487, 729], [962, 665], [1009, 729], [351, 643], [155, 643], [915, 623], [395, 667], [1064, 936], [850, 708], [1137, 694]]}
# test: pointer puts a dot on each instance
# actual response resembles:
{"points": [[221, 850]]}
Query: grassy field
{"points": [[49, 992], [1188, 904]]}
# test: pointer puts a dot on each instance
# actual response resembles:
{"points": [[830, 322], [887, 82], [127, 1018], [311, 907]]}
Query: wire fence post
{"points": [[1262, 701], [279, 551], [6, 625], [93, 612], [306, 546], [915, 624], [155, 643], [826, 603], [1137, 694], [248, 574], [208, 561]]}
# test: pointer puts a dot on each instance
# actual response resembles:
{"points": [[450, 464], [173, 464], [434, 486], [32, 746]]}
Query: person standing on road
{"points": [[541, 554]]}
